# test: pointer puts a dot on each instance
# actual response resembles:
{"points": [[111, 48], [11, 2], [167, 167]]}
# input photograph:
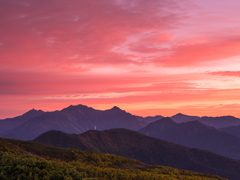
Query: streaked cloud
{"points": [[142, 55]]}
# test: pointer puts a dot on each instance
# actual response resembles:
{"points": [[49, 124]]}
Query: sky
{"points": [[148, 57]]}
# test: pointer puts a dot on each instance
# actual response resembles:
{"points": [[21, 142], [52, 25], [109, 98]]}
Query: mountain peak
{"points": [[34, 111], [115, 108], [166, 119], [179, 114], [79, 106]]}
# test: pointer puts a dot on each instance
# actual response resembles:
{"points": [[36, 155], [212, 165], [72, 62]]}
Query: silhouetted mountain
{"points": [[234, 130], [179, 118], [75, 119], [220, 122], [149, 150], [10, 123], [196, 135], [149, 119]]}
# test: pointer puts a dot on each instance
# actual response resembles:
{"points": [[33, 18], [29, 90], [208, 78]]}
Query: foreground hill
{"points": [[32, 161], [196, 135], [75, 119], [10, 123], [149, 150]]}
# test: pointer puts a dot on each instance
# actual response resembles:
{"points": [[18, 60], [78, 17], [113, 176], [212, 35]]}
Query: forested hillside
{"points": [[22, 160]]}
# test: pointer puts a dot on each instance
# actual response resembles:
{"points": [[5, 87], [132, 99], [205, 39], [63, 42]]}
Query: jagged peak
{"points": [[33, 110], [79, 106], [179, 114], [116, 108]]}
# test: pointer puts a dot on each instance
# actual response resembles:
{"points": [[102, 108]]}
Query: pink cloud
{"points": [[45, 33], [226, 73], [63, 49]]}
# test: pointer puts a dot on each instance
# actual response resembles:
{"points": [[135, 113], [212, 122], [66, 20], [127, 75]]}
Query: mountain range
{"points": [[196, 135], [78, 119], [217, 122], [146, 139], [73, 119]]}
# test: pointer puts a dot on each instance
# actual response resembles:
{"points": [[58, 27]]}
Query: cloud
{"points": [[49, 32], [129, 50], [226, 73]]}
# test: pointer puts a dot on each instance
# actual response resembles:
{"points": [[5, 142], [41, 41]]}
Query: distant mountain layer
{"points": [[234, 130], [75, 119], [80, 118], [149, 150], [220, 122], [196, 135], [180, 118], [217, 122], [10, 123]]}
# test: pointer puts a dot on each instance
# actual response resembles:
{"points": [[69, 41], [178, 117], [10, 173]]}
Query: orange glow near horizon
{"points": [[148, 57]]}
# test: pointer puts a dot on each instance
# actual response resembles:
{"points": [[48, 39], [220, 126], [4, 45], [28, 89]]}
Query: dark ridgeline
{"points": [[75, 119], [146, 149], [196, 135]]}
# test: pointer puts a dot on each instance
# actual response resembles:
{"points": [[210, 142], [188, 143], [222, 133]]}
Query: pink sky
{"points": [[149, 57]]}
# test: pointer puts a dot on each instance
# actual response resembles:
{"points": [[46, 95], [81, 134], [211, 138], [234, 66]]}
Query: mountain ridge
{"points": [[194, 134], [75, 119], [146, 149]]}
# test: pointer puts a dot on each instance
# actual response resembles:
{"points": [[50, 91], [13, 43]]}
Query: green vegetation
{"points": [[149, 150], [22, 160]]}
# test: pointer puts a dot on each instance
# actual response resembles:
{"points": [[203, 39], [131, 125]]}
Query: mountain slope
{"points": [[234, 130], [10, 123], [149, 119], [180, 118], [196, 135], [220, 122], [149, 150], [75, 119], [29, 160], [217, 122]]}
